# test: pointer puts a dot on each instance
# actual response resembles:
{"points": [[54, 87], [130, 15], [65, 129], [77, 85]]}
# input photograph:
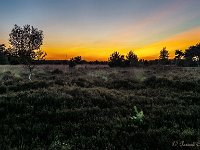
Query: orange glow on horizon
{"points": [[101, 50]]}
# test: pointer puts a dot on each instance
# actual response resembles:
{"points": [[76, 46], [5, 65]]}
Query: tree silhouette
{"points": [[179, 55], [164, 56], [3, 56], [131, 59], [74, 61], [115, 60], [2, 47], [192, 54], [26, 42], [78, 59]]}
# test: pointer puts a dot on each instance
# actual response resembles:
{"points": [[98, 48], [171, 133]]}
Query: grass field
{"points": [[90, 107]]}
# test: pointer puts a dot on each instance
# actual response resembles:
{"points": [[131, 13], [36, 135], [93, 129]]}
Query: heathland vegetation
{"points": [[123, 103], [92, 107]]}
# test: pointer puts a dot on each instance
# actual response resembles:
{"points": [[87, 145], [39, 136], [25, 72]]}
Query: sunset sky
{"points": [[96, 28]]}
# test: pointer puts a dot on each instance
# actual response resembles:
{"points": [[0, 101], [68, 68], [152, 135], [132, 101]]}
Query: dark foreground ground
{"points": [[91, 108]]}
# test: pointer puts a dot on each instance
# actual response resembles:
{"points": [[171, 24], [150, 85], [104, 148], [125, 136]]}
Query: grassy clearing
{"points": [[90, 107]]}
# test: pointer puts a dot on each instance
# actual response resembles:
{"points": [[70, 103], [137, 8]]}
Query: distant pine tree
{"points": [[164, 56], [115, 60], [131, 59]]}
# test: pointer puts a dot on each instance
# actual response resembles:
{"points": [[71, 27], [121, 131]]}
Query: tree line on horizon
{"points": [[188, 58], [26, 42]]}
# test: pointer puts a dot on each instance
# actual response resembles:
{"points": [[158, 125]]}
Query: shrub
{"points": [[137, 117], [72, 63]]}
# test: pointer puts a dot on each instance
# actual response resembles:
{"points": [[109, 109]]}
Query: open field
{"points": [[90, 107]]}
